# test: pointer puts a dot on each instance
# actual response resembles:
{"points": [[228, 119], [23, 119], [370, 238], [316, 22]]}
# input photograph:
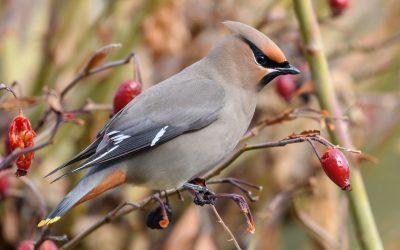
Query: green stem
{"points": [[361, 211]]}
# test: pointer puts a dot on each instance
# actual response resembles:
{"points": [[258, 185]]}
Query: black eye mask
{"points": [[262, 59]]}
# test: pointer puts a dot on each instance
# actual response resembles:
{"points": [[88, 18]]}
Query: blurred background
{"points": [[44, 44]]}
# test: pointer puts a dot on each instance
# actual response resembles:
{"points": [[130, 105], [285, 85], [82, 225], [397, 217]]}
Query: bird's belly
{"points": [[171, 164]]}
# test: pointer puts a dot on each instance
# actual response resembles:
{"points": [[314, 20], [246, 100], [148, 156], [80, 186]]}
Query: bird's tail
{"points": [[88, 187]]}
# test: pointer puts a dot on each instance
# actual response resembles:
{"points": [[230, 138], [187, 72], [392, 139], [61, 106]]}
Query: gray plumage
{"points": [[182, 127]]}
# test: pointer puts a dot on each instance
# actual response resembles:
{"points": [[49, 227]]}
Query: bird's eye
{"points": [[261, 59]]}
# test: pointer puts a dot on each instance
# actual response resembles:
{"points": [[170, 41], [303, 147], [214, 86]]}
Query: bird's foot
{"points": [[202, 195], [241, 185]]}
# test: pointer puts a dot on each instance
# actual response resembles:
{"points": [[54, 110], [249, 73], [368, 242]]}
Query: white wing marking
{"points": [[119, 138], [97, 158], [158, 136]]}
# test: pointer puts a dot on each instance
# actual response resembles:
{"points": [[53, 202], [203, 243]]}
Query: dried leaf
{"points": [[19, 103], [244, 207], [305, 133], [78, 121], [100, 55], [366, 157], [307, 87]]}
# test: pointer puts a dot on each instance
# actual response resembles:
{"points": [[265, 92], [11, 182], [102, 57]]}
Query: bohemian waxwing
{"points": [[182, 127]]}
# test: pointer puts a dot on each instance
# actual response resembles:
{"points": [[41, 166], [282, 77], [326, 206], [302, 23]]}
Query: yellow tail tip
{"points": [[48, 221]]}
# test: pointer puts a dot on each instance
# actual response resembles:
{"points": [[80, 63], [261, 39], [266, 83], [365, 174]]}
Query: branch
{"points": [[289, 115], [59, 119], [81, 76], [226, 228], [37, 193], [96, 70], [322, 236], [351, 47]]}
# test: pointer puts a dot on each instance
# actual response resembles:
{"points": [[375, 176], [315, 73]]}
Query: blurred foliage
{"points": [[43, 44]]}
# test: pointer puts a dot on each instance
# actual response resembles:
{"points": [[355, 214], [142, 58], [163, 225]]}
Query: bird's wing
{"points": [[87, 152], [162, 113]]}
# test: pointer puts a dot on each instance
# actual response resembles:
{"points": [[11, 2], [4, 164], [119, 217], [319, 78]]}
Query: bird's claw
{"points": [[202, 195]]}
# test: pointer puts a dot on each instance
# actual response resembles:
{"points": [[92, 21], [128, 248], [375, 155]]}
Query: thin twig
{"points": [[317, 231], [289, 115], [38, 195], [350, 47], [118, 212], [95, 71], [78, 78], [16, 153], [226, 228]]}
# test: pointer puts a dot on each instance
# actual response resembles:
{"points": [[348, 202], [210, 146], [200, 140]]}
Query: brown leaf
{"points": [[307, 87], [100, 55], [305, 133], [78, 121], [366, 157], [19, 103]]}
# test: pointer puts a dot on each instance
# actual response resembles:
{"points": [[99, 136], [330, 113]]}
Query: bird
{"points": [[180, 128]]}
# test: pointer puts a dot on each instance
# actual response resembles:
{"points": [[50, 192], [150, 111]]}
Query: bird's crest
{"points": [[265, 44]]}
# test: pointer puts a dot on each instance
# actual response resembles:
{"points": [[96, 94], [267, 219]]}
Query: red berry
{"points": [[21, 136], [126, 91], [286, 86], [48, 245], [336, 167], [26, 245], [30, 245], [339, 6], [4, 185], [69, 116]]}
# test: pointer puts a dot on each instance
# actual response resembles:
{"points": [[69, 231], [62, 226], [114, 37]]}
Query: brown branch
{"points": [[90, 106], [226, 228], [37, 193], [321, 235], [289, 115], [95, 71], [350, 47], [9, 89], [81, 76]]}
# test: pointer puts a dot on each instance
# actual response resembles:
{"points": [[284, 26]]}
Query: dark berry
{"points": [[155, 218]]}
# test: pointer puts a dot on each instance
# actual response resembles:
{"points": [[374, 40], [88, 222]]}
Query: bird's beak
{"points": [[290, 69]]}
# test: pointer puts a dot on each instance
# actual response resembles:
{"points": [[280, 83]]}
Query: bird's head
{"points": [[251, 56]]}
